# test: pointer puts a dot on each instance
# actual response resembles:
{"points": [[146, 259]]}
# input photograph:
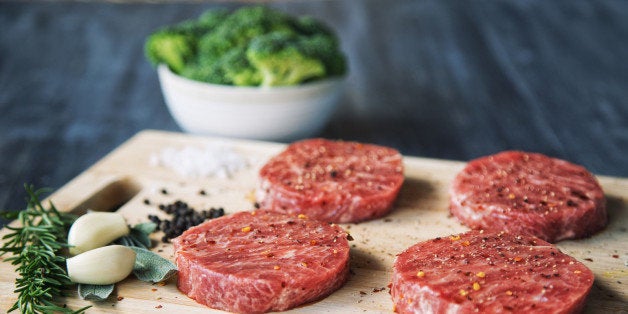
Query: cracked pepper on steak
{"points": [[254, 262], [333, 181], [484, 272], [529, 193]]}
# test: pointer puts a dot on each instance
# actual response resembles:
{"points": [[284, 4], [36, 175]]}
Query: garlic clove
{"points": [[102, 266], [95, 229]]}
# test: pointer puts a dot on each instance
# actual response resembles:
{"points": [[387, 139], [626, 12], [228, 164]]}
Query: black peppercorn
{"points": [[183, 218]]}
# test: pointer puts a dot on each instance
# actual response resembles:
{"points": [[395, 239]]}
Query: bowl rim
{"points": [[163, 69]]}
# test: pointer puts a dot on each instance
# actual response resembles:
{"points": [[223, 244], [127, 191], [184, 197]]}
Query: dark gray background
{"points": [[441, 79]]}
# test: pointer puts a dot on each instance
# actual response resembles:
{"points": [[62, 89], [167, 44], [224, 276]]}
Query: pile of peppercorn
{"points": [[183, 218]]}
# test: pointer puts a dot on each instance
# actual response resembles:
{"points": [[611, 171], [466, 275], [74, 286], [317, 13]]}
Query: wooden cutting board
{"points": [[126, 180]]}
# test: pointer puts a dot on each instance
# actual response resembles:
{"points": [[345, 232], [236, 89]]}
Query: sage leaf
{"points": [[146, 227], [94, 292], [151, 267], [139, 235]]}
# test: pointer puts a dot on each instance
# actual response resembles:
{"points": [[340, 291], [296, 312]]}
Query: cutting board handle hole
{"points": [[110, 197]]}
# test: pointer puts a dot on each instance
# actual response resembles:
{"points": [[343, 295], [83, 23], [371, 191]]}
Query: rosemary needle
{"points": [[36, 247]]}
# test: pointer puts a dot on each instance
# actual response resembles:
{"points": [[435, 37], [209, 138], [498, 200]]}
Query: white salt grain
{"points": [[212, 160]]}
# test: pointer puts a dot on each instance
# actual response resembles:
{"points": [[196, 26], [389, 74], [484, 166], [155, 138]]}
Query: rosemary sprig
{"points": [[36, 247]]}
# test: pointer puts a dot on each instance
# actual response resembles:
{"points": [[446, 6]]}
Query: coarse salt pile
{"points": [[212, 160]]}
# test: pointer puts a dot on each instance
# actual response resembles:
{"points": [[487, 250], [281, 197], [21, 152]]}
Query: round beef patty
{"points": [[333, 181], [254, 262], [482, 272], [528, 193]]}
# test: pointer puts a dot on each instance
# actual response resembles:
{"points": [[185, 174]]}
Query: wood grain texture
{"points": [[439, 79], [420, 213]]}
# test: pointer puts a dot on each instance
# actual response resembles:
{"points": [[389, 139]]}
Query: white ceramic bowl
{"points": [[274, 114]]}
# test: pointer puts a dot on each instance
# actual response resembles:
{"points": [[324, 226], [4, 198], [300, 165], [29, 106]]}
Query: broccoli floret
{"points": [[247, 23], [251, 46], [239, 28], [176, 45], [321, 42], [210, 74], [233, 68], [171, 47], [206, 22], [281, 60], [325, 48], [238, 69], [210, 19]]}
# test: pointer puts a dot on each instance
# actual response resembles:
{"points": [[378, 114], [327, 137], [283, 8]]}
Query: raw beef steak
{"points": [[482, 272], [529, 193], [253, 262], [333, 181]]}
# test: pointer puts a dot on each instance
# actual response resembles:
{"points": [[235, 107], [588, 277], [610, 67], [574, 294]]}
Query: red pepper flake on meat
{"points": [[303, 271], [455, 237], [543, 196], [461, 277], [332, 181]]}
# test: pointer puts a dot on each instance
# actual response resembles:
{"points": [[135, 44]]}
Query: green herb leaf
{"points": [[94, 292], [139, 236], [151, 267], [8, 215], [35, 246], [146, 227]]}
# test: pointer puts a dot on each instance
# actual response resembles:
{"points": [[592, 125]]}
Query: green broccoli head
{"points": [[171, 47], [280, 58], [239, 28], [251, 46], [324, 47], [238, 69], [320, 41], [210, 74], [249, 22], [205, 23], [210, 19], [233, 68]]}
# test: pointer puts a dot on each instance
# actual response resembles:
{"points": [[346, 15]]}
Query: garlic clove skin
{"points": [[95, 229], [102, 266]]}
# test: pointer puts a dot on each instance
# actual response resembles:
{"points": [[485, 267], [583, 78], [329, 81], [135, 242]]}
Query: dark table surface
{"points": [[439, 79]]}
